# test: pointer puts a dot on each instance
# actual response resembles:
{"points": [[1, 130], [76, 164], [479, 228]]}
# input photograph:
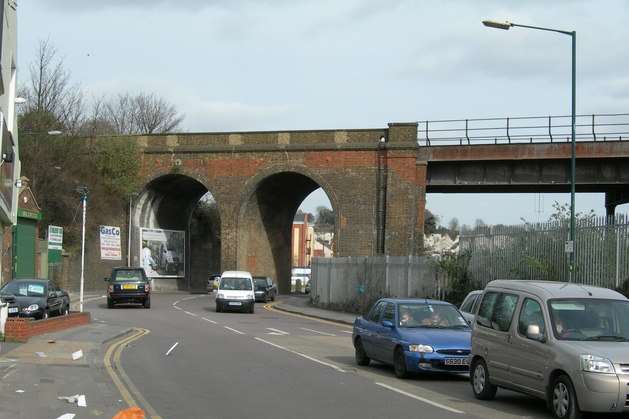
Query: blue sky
{"points": [[279, 64]]}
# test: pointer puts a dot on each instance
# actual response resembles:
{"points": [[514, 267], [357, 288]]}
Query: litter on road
{"points": [[172, 348], [41, 354], [77, 355], [79, 399], [67, 416], [19, 391]]}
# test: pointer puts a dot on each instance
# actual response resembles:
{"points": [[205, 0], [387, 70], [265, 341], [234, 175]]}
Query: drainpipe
{"points": [[381, 215]]}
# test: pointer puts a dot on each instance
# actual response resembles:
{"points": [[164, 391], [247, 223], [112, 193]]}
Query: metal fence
{"points": [[526, 129], [537, 251], [352, 283]]}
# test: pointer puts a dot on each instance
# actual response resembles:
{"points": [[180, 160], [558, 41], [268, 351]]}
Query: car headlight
{"points": [[593, 363], [32, 307], [220, 295], [424, 349]]}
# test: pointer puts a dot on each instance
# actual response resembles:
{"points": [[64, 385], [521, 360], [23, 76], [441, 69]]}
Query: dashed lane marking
{"points": [[208, 320], [178, 308], [347, 331], [172, 348], [277, 331], [316, 331], [234, 330], [421, 399], [318, 361], [191, 314]]}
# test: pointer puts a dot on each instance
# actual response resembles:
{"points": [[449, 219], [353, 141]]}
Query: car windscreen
{"points": [[590, 319], [235, 284], [437, 316], [128, 275], [261, 283], [24, 289]]}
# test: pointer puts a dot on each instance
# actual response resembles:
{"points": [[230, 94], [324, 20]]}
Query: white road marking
{"points": [[421, 399], [176, 302], [190, 314], [208, 320], [318, 361], [172, 348], [347, 331], [281, 332], [316, 331], [234, 330], [178, 308]]}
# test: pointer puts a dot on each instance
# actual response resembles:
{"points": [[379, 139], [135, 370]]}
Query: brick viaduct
{"points": [[376, 180]]}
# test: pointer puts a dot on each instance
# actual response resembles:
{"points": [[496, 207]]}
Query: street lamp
{"points": [[573, 34], [83, 191]]}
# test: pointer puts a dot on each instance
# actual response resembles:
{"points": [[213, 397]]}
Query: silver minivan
{"points": [[565, 343]]}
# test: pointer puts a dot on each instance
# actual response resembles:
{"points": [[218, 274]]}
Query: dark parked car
{"points": [[128, 286], [265, 289], [36, 298], [414, 336]]}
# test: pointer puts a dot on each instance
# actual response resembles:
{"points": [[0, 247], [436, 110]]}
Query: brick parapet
{"points": [[21, 329]]}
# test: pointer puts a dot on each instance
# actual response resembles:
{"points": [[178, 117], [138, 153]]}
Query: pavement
{"points": [[300, 304], [35, 374]]}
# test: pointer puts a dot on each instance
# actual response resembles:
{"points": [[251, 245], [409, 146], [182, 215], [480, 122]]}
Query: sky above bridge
{"points": [[298, 64]]}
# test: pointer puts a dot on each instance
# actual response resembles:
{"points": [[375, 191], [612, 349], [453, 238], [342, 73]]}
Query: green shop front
{"points": [[26, 237]]}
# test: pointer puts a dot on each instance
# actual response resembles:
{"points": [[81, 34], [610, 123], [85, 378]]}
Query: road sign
{"points": [[569, 246]]}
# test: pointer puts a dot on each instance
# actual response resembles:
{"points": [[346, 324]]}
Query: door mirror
{"points": [[387, 323], [52, 294], [533, 332]]}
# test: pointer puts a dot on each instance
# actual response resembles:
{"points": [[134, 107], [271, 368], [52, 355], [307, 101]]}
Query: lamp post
{"points": [[573, 34], [83, 191]]}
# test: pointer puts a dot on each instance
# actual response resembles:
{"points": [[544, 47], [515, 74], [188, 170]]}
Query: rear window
{"points": [[261, 283], [24, 289], [235, 284], [128, 275]]}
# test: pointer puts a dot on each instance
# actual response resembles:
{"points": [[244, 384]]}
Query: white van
{"points": [[235, 292]]}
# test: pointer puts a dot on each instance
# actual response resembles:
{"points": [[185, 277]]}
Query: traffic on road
{"points": [[553, 349]]}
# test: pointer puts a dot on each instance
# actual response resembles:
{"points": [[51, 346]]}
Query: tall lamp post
{"points": [[573, 34], [83, 191]]}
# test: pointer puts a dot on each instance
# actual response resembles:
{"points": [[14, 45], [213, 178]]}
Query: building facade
{"points": [[303, 240], [10, 158]]}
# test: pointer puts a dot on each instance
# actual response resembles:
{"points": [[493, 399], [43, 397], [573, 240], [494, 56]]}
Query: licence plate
{"points": [[235, 303], [129, 286], [456, 361], [13, 309]]}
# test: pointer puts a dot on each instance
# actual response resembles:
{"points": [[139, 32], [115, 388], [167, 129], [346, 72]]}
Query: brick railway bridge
{"points": [[376, 180]]}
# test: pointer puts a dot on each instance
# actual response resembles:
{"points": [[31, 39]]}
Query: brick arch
{"points": [[268, 203], [167, 200]]}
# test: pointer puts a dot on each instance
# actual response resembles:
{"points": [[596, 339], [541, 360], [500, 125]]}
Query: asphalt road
{"points": [[274, 365]]}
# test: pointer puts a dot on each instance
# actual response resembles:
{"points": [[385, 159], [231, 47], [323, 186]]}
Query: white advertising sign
{"points": [[162, 252], [110, 248]]}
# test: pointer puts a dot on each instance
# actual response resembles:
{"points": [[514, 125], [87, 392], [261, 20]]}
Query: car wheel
{"points": [[563, 401], [218, 308], [110, 303], [399, 363], [481, 386], [360, 355], [45, 315], [147, 302], [252, 308], [273, 297], [65, 310]]}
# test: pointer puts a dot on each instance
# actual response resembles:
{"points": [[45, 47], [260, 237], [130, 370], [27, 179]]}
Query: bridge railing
{"points": [[523, 129]]}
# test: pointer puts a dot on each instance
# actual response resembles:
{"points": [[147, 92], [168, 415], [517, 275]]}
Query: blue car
{"points": [[413, 335]]}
